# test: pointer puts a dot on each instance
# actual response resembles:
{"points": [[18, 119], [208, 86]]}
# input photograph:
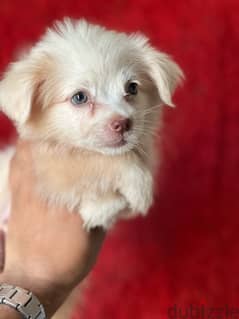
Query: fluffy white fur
{"points": [[77, 160]]}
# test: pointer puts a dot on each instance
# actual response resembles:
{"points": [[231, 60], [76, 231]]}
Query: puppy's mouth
{"points": [[116, 144]]}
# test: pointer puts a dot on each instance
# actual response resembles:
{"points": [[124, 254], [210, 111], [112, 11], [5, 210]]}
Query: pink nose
{"points": [[120, 125]]}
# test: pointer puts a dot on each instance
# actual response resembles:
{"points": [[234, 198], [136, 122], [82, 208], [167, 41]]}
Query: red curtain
{"points": [[183, 259]]}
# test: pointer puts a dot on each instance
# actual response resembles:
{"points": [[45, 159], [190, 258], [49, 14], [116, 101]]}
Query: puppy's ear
{"points": [[17, 89], [165, 73], [161, 69]]}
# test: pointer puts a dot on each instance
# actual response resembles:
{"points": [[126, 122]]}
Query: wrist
{"points": [[8, 312]]}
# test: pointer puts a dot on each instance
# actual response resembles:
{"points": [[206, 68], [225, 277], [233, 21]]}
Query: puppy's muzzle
{"points": [[120, 125]]}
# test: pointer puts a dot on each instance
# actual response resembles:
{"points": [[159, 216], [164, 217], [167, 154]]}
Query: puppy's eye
{"points": [[132, 88], [79, 98]]}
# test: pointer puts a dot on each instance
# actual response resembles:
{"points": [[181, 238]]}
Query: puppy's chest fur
{"points": [[101, 188]]}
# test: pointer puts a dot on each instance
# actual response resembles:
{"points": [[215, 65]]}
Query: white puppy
{"points": [[89, 100]]}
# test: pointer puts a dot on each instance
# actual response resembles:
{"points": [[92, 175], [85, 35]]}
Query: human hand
{"points": [[47, 250]]}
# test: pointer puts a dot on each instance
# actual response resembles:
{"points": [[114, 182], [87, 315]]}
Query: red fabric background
{"points": [[186, 251]]}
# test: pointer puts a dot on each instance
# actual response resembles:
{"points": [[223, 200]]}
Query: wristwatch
{"points": [[22, 300]]}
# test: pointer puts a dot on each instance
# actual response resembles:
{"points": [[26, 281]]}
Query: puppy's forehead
{"points": [[93, 51], [101, 60]]}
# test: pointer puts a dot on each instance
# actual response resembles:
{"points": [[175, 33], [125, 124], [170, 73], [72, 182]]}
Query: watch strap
{"points": [[22, 300]]}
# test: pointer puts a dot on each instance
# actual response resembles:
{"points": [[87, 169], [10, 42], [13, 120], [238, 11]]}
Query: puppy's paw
{"points": [[138, 191], [102, 212], [141, 200]]}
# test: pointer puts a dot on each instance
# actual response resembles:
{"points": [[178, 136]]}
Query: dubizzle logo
{"points": [[194, 311]]}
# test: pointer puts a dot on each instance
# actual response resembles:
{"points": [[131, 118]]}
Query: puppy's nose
{"points": [[120, 125]]}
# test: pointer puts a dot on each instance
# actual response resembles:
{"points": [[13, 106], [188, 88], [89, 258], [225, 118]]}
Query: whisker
{"points": [[150, 109], [139, 147], [144, 129]]}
